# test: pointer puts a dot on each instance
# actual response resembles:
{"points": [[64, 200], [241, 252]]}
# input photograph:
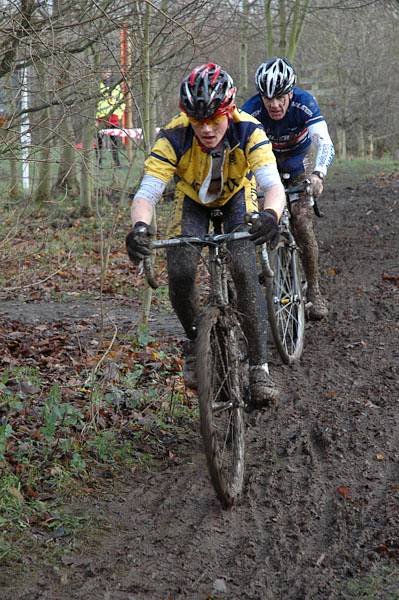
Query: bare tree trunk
{"points": [[341, 136], [283, 27], [14, 189], [297, 26], [67, 181], [11, 142], [243, 89], [361, 142], [88, 162], [290, 26], [148, 125], [370, 145], [87, 167], [148, 130], [128, 96], [42, 193], [269, 27]]}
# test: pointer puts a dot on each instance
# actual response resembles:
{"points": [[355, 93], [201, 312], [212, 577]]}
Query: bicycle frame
{"points": [[222, 369]]}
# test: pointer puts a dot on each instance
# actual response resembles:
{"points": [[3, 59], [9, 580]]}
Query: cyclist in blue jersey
{"points": [[303, 148]]}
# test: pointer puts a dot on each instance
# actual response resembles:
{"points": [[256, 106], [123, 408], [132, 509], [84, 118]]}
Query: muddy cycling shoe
{"points": [[189, 367], [316, 306], [262, 389]]}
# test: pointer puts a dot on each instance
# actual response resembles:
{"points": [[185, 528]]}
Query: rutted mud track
{"points": [[321, 504]]}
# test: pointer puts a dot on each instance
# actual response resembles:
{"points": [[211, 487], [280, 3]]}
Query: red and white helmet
{"points": [[206, 92], [275, 77]]}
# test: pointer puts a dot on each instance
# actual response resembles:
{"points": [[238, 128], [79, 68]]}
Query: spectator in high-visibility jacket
{"points": [[110, 109]]}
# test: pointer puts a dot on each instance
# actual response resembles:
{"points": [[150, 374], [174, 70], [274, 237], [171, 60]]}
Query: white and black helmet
{"points": [[275, 77]]}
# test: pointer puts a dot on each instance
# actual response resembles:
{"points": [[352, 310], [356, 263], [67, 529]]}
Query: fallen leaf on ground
{"points": [[392, 278], [344, 491]]}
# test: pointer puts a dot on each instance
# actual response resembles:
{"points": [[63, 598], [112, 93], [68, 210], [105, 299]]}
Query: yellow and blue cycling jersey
{"points": [[177, 153]]}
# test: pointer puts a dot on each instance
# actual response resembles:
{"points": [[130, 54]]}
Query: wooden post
{"points": [[126, 62]]}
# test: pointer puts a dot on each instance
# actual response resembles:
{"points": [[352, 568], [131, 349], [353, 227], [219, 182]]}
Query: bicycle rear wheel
{"points": [[222, 370], [285, 301]]}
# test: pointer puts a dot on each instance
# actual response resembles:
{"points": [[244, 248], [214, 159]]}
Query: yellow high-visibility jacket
{"points": [[109, 103], [176, 151]]}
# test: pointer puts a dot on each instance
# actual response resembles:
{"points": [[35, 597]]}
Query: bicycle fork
{"points": [[218, 277]]}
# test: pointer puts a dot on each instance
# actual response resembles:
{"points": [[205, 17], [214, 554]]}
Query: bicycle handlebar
{"points": [[303, 187], [297, 189], [206, 240]]}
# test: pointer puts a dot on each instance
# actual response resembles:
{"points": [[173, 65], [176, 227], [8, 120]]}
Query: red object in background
{"points": [[123, 65], [79, 146], [111, 120]]}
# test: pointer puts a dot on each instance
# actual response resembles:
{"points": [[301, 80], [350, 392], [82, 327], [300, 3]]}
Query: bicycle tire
{"points": [[286, 302], [222, 370]]}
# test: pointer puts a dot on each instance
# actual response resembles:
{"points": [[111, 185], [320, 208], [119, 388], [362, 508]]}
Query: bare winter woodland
{"points": [[52, 54]]}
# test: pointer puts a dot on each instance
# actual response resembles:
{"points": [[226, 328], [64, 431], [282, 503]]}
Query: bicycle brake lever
{"points": [[316, 209], [140, 268], [251, 218], [312, 199]]}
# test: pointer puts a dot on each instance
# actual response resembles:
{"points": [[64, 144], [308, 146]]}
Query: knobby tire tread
{"points": [[286, 254], [219, 330]]}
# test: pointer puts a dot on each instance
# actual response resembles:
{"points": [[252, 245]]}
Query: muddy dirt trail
{"points": [[321, 503]]}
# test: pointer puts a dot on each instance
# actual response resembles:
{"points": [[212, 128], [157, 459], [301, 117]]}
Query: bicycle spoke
{"points": [[221, 406], [286, 305]]}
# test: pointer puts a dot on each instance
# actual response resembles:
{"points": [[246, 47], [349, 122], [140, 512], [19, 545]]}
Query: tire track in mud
{"points": [[295, 489]]}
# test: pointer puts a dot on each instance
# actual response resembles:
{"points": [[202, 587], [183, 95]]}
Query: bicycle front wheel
{"points": [[285, 301], [222, 370]]}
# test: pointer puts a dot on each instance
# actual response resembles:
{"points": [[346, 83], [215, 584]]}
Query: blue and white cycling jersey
{"points": [[292, 136]]}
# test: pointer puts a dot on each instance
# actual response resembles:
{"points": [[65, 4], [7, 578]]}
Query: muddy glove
{"points": [[316, 184], [138, 241], [264, 228]]}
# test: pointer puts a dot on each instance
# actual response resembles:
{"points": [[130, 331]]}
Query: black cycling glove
{"points": [[138, 241], [264, 228]]}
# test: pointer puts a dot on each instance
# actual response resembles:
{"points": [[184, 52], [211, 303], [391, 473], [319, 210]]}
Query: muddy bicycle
{"points": [[282, 275], [221, 364]]}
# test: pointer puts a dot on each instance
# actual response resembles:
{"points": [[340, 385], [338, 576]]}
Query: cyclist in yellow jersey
{"points": [[218, 155]]}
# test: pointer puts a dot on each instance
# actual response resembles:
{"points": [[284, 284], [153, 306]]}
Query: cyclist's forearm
{"points": [[146, 198], [141, 210], [269, 182], [325, 147], [275, 199]]}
